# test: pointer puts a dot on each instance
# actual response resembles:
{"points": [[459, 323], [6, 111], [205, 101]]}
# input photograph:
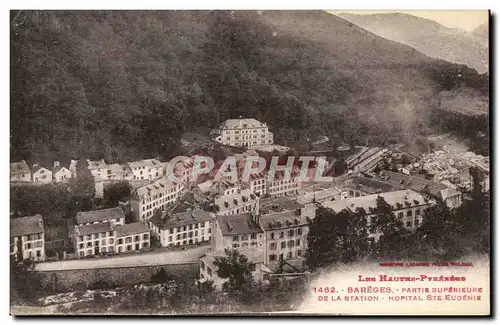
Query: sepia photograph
{"points": [[250, 162]]}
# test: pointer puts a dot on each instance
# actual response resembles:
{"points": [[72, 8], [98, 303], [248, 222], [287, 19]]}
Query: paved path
{"points": [[133, 259]]}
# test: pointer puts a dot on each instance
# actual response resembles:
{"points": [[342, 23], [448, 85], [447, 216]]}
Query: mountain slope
{"points": [[428, 37], [125, 85]]}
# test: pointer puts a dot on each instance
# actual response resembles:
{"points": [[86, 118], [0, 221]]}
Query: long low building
{"points": [[407, 205]]}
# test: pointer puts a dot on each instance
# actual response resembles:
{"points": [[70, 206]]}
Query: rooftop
{"points": [[167, 221], [20, 167], [368, 185], [131, 229], [26, 226], [97, 164], [94, 228], [99, 215], [155, 186], [284, 219], [242, 123], [230, 201], [37, 168], [370, 201], [145, 163], [269, 205], [417, 184], [238, 224], [309, 197]]}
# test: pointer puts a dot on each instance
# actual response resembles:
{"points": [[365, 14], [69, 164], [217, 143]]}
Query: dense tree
{"points": [[235, 267], [25, 281], [115, 192], [336, 238]]}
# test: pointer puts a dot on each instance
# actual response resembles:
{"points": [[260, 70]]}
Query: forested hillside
{"points": [[127, 85]]}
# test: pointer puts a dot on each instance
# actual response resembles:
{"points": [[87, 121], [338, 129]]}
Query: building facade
{"points": [[60, 173], [157, 195], [236, 231], [243, 133], [236, 201], [27, 238], [182, 229], [147, 169], [98, 168], [41, 175], [112, 215]]}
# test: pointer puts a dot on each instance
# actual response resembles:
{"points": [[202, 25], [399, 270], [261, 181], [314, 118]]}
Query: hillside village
{"points": [[265, 219]]}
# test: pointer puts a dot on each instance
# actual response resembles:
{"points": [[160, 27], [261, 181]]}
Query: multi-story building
{"points": [[107, 237], [323, 195], [208, 271], [41, 175], [97, 168], [181, 229], [243, 133], [237, 201], [147, 169], [60, 173], [235, 231], [112, 215], [20, 172], [27, 238], [154, 196], [117, 172], [257, 183], [131, 237], [407, 205], [281, 185]]}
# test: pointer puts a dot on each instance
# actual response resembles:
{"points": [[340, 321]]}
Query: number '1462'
{"points": [[324, 289]]}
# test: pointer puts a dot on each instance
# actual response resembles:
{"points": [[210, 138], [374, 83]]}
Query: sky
{"points": [[463, 19]]}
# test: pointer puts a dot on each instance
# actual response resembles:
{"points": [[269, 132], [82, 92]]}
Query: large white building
{"points": [[60, 173], [181, 229], [239, 230], [147, 169], [157, 195], [407, 205], [27, 238], [281, 185], [243, 133], [41, 175], [112, 215]]}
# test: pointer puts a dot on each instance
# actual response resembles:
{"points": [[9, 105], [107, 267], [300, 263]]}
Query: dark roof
{"points": [[20, 167], [94, 228], [279, 220], [279, 204], [26, 226], [167, 221], [131, 229], [56, 169], [99, 215], [369, 185], [37, 168], [417, 184], [238, 224]]}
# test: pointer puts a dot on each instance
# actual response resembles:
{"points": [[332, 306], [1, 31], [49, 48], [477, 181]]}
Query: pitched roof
{"points": [[280, 203], [99, 215], [418, 184], [370, 201], [26, 226], [284, 219], [131, 229], [369, 185], [158, 185], [145, 163], [242, 123], [37, 168], [97, 164], [94, 228], [238, 224], [309, 197], [166, 221], [231, 201], [20, 167], [58, 168]]}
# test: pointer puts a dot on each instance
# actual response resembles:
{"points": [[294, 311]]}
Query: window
{"points": [[408, 223], [299, 252], [178, 236], [82, 253], [272, 235], [80, 238], [202, 225], [128, 240], [145, 236], [120, 241], [289, 255], [299, 231], [417, 222], [81, 246], [253, 236], [291, 243], [184, 235], [236, 245], [111, 241], [252, 267], [283, 244], [110, 234], [129, 247], [190, 234], [191, 227], [171, 230], [351, 193], [282, 235], [89, 244], [244, 237], [184, 228], [400, 214], [89, 237], [103, 242], [272, 257], [290, 233], [417, 212], [297, 242], [178, 229], [235, 238]]}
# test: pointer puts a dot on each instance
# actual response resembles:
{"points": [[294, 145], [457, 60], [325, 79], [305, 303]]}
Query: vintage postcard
{"points": [[258, 162]]}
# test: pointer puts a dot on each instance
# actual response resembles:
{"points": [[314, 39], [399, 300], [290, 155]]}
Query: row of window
{"points": [[30, 237], [188, 242], [33, 245], [244, 237], [291, 233], [96, 236], [187, 227], [187, 235], [96, 222], [264, 130], [289, 255], [284, 244], [244, 245]]}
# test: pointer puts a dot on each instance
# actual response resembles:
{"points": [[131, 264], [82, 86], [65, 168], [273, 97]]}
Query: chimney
{"points": [[35, 165], [229, 226], [40, 221], [56, 163]]}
